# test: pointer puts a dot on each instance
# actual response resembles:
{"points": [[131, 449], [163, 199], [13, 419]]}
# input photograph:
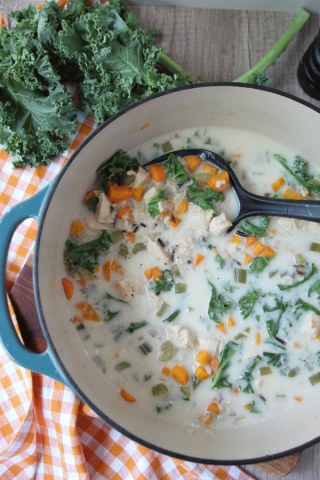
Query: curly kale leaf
{"points": [[203, 198], [257, 229], [300, 282], [153, 207], [315, 287], [273, 326], [299, 172], [247, 302], [304, 306], [217, 305], [175, 168], [225, 356], [87, 254], [113, 170], [163, 284], [258, 265], [247, 374]]}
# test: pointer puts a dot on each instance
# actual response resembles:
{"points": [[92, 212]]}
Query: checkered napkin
{"points": [[46, 431]]}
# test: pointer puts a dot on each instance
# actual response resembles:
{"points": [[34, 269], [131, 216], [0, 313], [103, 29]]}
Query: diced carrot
{"points": [[297, 345], [137, 193], [174, 220], [40, 5], [116, 267], [156, 274], [144, 126], [157, 173], [131, 236], [76, 319], [221, 327], [68, 288], [231, 322], [209, 168], [97, 269], [247, 259], [238, 155], [250, 241], [126, 396], [77, 228], [258, 248], [3, 21], [291, 195], [214, 364], [183, 207], [165, 214], [247, 406], [62, 3], [81, 306], [298, 399], [203, 357], [202, 373], [235, 239], [82, 282], [123, 211], [235, 390], [220, 182], [119, 194], [206, 418], [269, 252], [192, 162], [214, 407], [180, 374], [198, 259], [165, 371], [88, 196], [148, 273], [258, 338], [278, 184], [106, 270], [318, 336], [89, 313], [273, 230]]}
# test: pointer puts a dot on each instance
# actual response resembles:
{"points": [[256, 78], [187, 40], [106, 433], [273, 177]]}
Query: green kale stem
{"points": [[268, 60], [279, 47], [173, 67]]}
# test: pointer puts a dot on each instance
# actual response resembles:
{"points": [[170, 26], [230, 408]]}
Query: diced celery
{"points": [[180, 288]]}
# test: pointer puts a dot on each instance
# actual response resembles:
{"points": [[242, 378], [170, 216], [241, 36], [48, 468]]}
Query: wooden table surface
{"points": [[221, 45]]}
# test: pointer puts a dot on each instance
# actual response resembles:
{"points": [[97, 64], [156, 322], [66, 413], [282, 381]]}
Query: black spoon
{"points": [[250, 204]]}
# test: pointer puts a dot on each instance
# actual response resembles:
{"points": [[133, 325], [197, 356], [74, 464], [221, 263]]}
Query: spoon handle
{"points": [[251, 205]]}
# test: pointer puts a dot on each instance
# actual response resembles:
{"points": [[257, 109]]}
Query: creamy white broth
{"points": [[109, 344]]}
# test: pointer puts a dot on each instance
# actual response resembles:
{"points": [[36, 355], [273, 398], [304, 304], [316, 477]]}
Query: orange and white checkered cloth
{"points": [[46, 431]]}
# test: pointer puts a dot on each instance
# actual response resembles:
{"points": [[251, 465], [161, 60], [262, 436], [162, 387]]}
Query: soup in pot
{"points": [[194, 323]]}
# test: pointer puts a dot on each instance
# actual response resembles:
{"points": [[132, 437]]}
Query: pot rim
{"points": [[76, 389]]}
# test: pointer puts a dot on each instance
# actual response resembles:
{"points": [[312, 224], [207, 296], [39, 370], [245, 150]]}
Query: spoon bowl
{"points": [[249, 203]]}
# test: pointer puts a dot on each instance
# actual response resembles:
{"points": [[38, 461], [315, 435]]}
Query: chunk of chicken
{"points": [[311, 325], [219, 224], [156, 251], [142, 177], [199, 219], [106, 212], [149, 193], [125, 289], [210, 345], [179, 336], [154, 299], [288, 223]]}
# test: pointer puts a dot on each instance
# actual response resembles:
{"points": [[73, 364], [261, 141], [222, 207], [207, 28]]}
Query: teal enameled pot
{"points": [[265, 111]]}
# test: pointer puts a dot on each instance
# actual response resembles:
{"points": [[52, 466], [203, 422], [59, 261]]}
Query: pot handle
{"points": [[45, 362]]}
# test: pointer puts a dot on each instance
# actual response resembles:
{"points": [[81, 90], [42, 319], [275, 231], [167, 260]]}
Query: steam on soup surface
{"points": [[199, 326]]}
